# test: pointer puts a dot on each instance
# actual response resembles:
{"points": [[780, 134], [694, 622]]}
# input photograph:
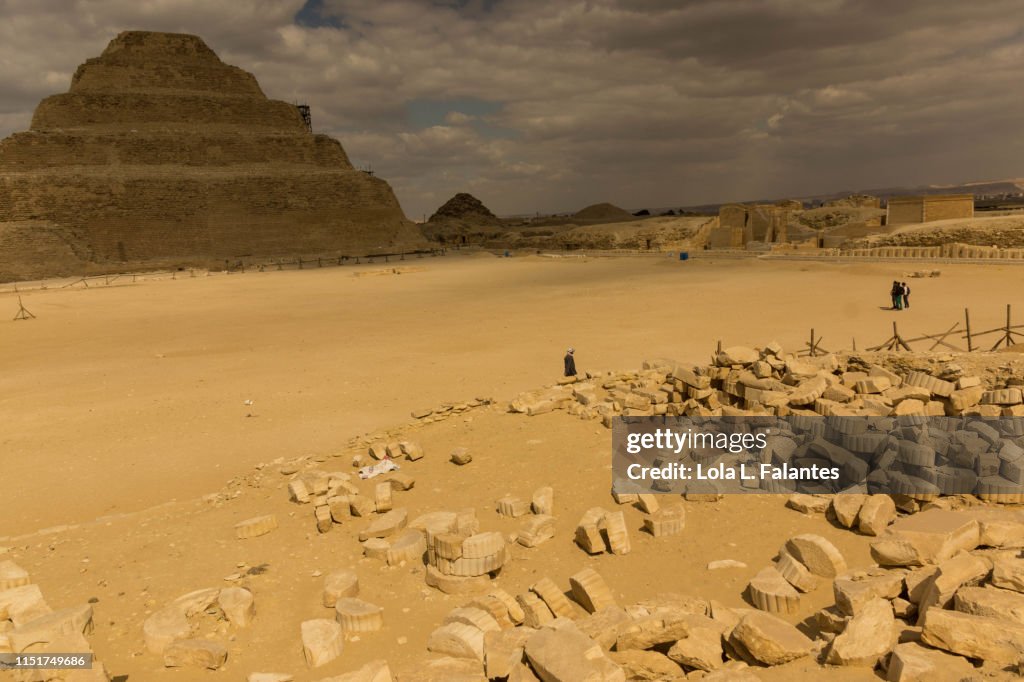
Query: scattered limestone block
{"points": [[926, 538], [617, 532], [339, 585], [590, 590], [461, 456], [831, 620], [873, 384], [1002, 396], [298, 492], [667, 521], [457, 640], [808, 504], [769, 640], [867, 637], [378, 450], [483, 545], [638, 664], [452, 584], [816, 553], [493, 607], [990, 601], [255, 527], [356, 615], [854, 590], [448, 545], [401, 481], [603, 626], [648, 502], [238, 605], [543, 501], [875, 515], [473, 566], [360, 506], [701, 648], [536, 531], [12, 575], [322, 640], [846, 506], [963, 569], [340, 506], [22, 604], [376, 548], [385, 524], [515, 611], [476, 617], [796, 574], [164, 627], [195, 653], [769, 591], [72, 621], [535, 612], [324, 520], [991, 639], [588, 532], [382, 497], [911, 662], [567, 655], [408, 547], [737, 355], [512, 506], [411, 450], [503, 651], [625, 498], [393, 449], [1008, 572], [546, 589]]}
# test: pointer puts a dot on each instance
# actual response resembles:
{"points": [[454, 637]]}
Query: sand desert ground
{"points": [[130, 448]]}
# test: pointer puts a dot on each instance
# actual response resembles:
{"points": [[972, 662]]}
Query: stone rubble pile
{"points": [[767, 381], [336, 498], [169, 632], [28, 625]]}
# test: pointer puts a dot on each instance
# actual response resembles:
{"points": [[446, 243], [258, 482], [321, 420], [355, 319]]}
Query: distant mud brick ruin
{"points": [[162, 155], [928, 208], [740, 225]]}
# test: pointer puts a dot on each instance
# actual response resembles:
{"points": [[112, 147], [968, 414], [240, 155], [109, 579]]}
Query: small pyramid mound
{"points": [[605, 213], [464, 207]]}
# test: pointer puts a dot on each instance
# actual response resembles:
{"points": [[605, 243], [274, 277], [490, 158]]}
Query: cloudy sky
{"points": [[550, 105]]}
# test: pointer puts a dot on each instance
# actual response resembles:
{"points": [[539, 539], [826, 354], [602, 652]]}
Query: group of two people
{"points": [[900, 295]]}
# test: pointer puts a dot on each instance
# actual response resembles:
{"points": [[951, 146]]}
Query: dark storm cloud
{"points": [[639, 102]]}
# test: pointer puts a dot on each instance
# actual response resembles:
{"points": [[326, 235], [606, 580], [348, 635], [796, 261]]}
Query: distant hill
{"points": [[978, 189]]}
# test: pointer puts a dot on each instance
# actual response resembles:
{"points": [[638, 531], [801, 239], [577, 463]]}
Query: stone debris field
{"points": [[933, 589]]}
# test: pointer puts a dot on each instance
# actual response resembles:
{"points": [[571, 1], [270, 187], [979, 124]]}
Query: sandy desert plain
{"points": [[129, 447]]}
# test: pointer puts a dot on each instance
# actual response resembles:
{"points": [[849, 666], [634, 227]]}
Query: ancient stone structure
{"points": [[163, 155], [927, 208], [740, 225]]}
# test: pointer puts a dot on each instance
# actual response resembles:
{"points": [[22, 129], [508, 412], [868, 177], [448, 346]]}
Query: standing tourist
{"points": [[906, 295], [897, 296]]}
